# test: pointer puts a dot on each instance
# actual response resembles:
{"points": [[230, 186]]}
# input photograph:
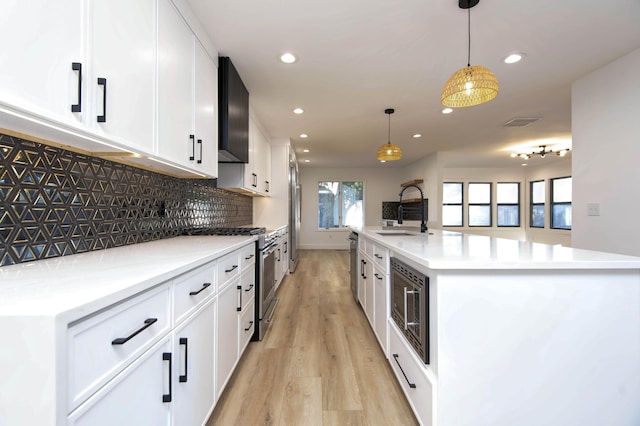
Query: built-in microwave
{"points": [[410, 305]]}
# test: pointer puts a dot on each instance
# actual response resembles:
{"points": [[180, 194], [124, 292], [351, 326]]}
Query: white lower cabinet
{"points": [[141, 395], [381, 306], [193, 372], [228, 308], [411, 376]]}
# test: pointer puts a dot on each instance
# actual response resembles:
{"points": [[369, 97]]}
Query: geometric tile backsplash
{"points": [[411, 211], [55, 202]]}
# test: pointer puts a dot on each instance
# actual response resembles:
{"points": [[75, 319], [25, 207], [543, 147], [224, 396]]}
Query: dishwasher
{"points": [[353, 261]]}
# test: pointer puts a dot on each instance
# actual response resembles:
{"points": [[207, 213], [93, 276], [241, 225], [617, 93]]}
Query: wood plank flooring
{"points": [[319, 363]]}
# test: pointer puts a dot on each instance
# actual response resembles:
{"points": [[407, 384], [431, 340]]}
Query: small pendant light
{"points": [[389, 151], [470, 85]]}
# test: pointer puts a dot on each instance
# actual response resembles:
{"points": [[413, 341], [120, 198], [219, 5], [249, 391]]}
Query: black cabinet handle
{"points": [[185, 342], [250, 287], [239, 288], [193, 147], [377, 256], [255, 180], [267, 182], [232, 268], [123, 340], [77, 66], [249, 328], [248, 257], [364, 270], [378, 276], [411, 385], [103, 82], [166, 356], [200, 145], [205, 285], [285, 247]]}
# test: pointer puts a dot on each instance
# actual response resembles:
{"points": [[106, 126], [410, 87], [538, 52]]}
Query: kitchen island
{"points": [[519, 333]]}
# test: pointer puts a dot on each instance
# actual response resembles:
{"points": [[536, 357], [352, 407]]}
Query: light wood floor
{"points": [[319, 363]]}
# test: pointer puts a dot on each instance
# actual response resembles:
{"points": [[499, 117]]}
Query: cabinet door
{"points": [[369, 306], [206, 111], [122, 50], [176, 138], [250, 174], [193, 348], [227, 334], [134, 397], [39, 41], [361, 279], [381, 310]]}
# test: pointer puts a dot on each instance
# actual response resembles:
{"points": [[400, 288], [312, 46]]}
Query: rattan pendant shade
{"points": [[389, 151], [469, 86]]}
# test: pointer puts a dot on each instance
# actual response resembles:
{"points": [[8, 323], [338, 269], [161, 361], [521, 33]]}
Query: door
{"points": [[206, 111], [122, 49]]}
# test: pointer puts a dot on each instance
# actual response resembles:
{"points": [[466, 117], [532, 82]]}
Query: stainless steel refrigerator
{"points": [[294, 212]]}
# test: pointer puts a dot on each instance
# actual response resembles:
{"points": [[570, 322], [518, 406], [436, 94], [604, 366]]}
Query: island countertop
{"points": [[438, 249]]}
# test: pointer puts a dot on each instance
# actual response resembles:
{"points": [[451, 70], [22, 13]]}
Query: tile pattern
{"points": [[55, 203], [411, 211]]}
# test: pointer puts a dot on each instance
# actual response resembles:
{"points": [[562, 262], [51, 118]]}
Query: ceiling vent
{"points": [[521, 121]]}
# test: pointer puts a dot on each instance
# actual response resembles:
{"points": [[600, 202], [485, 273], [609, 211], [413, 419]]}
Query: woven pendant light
{"points": [[389, 151], [470, 85]]}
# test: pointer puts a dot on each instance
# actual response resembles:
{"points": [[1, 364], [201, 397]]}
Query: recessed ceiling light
{"points": [[305, 150], [523, 164], [513, 58], [304, 135], [307, 161], [298, 111], [447, 111], [288, 58], [417, 135], [383, 161]]}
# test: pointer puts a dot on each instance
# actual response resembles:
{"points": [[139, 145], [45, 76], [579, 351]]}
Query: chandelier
{"points": [[389, 151], [542, 151], [470, 85]]}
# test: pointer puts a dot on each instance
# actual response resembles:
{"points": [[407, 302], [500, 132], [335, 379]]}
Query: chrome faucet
{"points": [[423, 224]]}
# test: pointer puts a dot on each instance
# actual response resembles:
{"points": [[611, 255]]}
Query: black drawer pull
{"points": [[77, 66], [250, 287], [205, 285], [185, 342], [193, 147], [239, 307], [378, 276], [200, 145], [249, 257], [123, 340], [250, 325], [103, 118], [166, 356], [411, 385], [232, 269], [377, 256]]}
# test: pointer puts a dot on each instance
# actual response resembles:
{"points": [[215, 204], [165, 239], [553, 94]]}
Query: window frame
{"points": [[517, 204], [532, 204], [489, 204], [341, 218], [461, 204], [559, 203]]}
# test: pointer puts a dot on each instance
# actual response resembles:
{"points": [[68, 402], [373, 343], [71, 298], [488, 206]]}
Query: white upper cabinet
{"points": [[122, 42], [187, 95], [39, 42]]}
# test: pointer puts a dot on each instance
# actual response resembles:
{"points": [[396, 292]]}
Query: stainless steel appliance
{"points": [[294, 213], [353, 261], [410, 306]]}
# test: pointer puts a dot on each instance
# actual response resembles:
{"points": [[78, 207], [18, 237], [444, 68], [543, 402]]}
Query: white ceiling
{"points": [[358, 57]]}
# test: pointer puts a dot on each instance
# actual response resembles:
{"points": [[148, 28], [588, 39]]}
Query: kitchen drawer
{"points": [[192, 290], [228, 268], [247, 325], [409, 371], [94, 355], [248, 256], [380, 256], [248, 283]]}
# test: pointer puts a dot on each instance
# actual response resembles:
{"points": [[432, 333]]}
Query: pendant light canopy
{"points": [[470, 85], [389, 151]]}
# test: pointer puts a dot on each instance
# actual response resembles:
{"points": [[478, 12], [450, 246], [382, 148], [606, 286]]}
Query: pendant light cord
{"points": [[389, 130], [469, 33]]}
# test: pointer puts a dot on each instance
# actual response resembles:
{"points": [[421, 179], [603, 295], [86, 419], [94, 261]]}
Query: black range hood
{"points": [[233, 115]]}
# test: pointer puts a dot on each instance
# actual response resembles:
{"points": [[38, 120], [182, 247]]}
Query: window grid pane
{"points": [[538, 200], [480, 204], [452, 204], [479, 215], [479, 193], [508, 196], [561, 203], [328, 205], [352, 209]]}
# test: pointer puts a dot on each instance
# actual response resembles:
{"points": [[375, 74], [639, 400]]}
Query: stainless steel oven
{"points": [[265, 290], [410, 306]]}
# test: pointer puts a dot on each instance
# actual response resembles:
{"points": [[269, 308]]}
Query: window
{"points": [[508, 199], [480, 204], [452, 204], [561, 203], [340, 204], [537, 204]]}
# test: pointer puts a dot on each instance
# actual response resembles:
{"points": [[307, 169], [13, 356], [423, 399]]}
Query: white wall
{"points": [[429, 169], [380, 184], [606, 157]]}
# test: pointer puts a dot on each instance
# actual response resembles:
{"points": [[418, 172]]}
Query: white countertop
{"points": [[454, 250], [71, 286]]}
